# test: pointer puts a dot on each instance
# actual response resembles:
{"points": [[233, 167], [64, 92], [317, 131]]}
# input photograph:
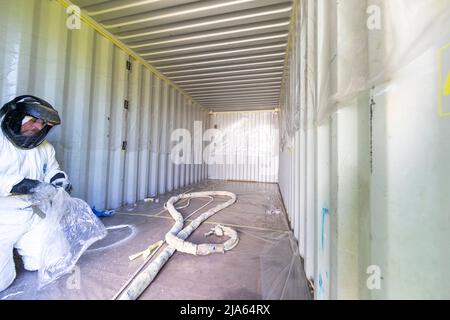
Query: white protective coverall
{"points": [[21, 228]]}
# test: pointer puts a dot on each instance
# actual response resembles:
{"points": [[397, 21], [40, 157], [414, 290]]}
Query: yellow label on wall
{"points": [[443, 56], [447, 86]]}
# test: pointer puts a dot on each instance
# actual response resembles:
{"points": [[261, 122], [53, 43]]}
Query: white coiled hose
{"points": [[176, 239]]}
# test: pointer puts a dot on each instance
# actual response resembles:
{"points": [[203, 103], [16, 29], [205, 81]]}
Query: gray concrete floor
{"points": [[264, 265]]}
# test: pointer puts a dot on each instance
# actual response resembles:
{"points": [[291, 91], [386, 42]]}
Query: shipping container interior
{"points": [[326, 119]]}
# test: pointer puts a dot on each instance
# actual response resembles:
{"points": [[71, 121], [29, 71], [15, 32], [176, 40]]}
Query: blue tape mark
{"points": [[321, 289]]}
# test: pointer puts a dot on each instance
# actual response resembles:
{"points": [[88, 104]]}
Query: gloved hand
{"points": [[60, 180], [25, 186]]}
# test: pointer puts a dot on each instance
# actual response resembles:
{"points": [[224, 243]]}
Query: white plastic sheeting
{"points": [[363, 166], [297, 142], [247, 146], [85, 77]]}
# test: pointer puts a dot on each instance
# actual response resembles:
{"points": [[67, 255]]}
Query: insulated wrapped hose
{"points": [[176, 240]]}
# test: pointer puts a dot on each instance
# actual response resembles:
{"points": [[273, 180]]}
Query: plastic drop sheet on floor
{"points": [[264, 265]]}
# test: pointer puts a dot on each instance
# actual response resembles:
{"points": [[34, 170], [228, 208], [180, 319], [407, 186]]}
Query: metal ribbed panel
{"points": [[250, 147], [132, 134], [177, 116], [144, 136], [171, 127], [164, 139], [113, 154], [182, 125], [98, 139], [116, 161], [206, 125], [297, 156], [155, 137], [197, 135], [206, 45], [190, 127]]}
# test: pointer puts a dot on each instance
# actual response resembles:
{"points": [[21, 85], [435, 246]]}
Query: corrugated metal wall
{"points": [[85, 77], [249, 146], [227, 54], [364, 171], [298, 138]]}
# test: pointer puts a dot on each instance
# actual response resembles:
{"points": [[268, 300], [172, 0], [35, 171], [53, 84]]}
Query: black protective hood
{"points": [[15, 110]]}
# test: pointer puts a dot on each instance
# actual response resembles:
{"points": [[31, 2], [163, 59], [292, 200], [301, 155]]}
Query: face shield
{"points": [[27, 120]]}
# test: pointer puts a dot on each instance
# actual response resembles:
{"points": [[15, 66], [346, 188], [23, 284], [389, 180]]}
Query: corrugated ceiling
{"points": [[227, 54]]}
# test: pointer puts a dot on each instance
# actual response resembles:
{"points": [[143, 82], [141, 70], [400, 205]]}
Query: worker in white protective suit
{"points": [[29, 173]]}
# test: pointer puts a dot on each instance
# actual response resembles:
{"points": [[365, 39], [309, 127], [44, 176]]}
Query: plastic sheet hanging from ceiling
{"points": [[290, 112], [365, 49]]}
